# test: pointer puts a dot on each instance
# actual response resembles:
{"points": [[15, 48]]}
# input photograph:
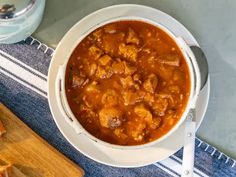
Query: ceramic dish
{"points": [[100, 151]]}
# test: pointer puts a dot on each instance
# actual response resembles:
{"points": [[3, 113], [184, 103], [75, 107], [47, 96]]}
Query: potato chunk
{"points": [[171, 59], [104, 60], [92, 87], [156, 122], [127, 82], [103, 73], [160, 106], [88, 112], [110, 98], [137, 77], [92, 69], [136, 130], [143, 113], [151, 83], [174, 89], [111, 29], [97, 34], [120, 133], [130, 52], [118, 67], [179, 77], [131, 97], [149, 98], [110, 117], [129, 70], [95, 52], [132, 37]]}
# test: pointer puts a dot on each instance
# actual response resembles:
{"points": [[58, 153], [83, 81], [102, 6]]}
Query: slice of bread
{"points": [[6, 170], [2, 129], [10, 171], [17, 173]]}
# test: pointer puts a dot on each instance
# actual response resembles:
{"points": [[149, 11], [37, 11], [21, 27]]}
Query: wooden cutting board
{"points": [[31, 154]]}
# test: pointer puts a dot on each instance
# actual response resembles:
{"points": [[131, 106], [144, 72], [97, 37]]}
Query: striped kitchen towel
{"points": [[23, 89]]}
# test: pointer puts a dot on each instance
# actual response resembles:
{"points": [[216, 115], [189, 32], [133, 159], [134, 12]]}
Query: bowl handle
{"points": [[196, 69], [61, 103]]}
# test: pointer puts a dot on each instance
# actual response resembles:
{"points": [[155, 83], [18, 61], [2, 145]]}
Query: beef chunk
{"points": [[110, 42], [77, 81], [110, 118]]}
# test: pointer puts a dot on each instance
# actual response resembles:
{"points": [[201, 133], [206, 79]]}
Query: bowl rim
{"points": [[80, 129]]}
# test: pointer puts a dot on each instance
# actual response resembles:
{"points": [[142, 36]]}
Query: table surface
{"points": [[211, 22]]}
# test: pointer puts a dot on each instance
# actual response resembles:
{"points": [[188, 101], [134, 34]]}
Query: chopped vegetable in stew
{"points": [[127, 83]]}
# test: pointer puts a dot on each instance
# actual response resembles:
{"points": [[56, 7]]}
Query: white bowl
{"points": [[87, 28], [102, 153]]}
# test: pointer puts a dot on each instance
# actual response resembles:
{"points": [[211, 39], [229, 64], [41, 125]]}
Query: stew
{"points": [[127, 83]]}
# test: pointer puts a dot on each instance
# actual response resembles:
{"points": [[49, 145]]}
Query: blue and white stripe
{"points": [[23, 74]]}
